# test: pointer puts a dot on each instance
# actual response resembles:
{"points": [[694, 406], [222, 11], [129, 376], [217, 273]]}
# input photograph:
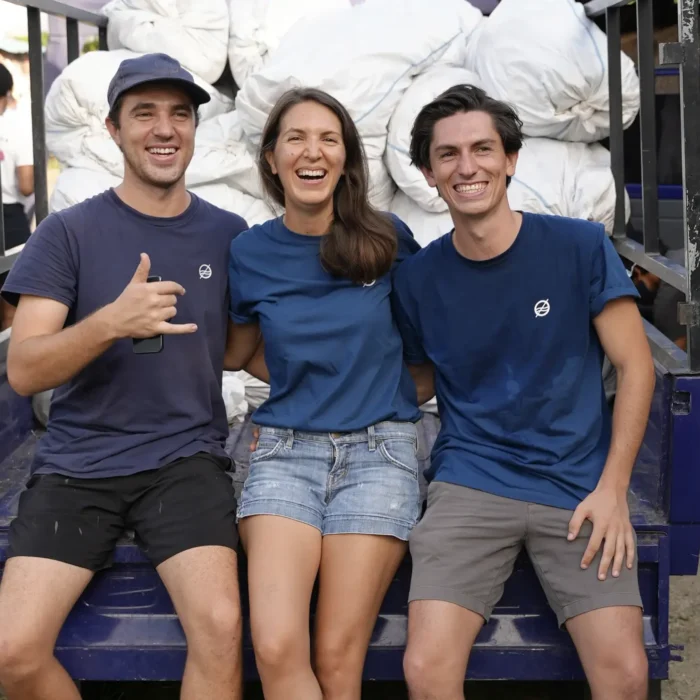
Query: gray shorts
{"points": [[465, 546]]}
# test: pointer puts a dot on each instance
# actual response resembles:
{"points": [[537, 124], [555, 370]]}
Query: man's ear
{"points": [[428, 175], [270, 158], [113, 131], [512, 161]]}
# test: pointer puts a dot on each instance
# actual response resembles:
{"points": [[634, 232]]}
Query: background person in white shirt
{"points": [[17, 169]]}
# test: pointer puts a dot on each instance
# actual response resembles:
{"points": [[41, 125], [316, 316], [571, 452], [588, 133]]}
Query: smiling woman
{"points": [[312, 155]]}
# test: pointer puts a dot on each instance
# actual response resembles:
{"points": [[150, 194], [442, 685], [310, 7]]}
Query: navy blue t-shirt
{"points": [[331, 346], [518, 362], [125, 413]]}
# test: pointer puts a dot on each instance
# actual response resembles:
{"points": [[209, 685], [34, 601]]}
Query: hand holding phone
{"points": [[146, 306]]}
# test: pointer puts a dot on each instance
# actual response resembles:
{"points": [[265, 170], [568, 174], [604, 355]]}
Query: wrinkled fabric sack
{"points": [[253, 210], [423, 90], [257, 27], [75, 185], [76, 109], [550, 61], [194, 33], [365, 56], [233, 392]]}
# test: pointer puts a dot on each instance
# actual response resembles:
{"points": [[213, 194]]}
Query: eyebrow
{"points": [[152, 105], [296, 130], [476, 144]]}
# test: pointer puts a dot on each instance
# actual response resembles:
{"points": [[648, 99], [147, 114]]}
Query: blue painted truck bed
{"points": [[124, 626]]}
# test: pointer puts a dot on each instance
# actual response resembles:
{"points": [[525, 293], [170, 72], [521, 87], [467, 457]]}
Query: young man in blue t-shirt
{"points": [[515, 311], [136, 434]]}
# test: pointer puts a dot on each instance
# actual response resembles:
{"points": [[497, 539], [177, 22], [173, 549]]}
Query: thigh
{"points": [[288, 477], [374, 485], [36, 596], [283, 561], [571, 590], [464, 548], [203, 585], [355, 573], [185, 505], [74, 521]]}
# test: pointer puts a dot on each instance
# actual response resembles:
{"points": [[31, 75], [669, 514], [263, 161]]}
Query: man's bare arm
{"points": [[619, 327], [43, 354], [424, 379], [241, 344]]}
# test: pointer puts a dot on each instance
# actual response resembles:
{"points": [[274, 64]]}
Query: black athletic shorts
{"points": [[189, 503]]}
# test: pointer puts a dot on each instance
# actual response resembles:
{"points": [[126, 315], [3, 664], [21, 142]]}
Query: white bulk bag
{"points": [[222, 154], [194, 33], [75, 185], [566, 179], [233, 393], [381, 186], [423, 90], [365, 56], [257, 27], [76, 108], [550, 61], [253, 210]]}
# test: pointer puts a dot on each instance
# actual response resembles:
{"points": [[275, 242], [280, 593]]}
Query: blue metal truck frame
{"points": [[124, 626]]}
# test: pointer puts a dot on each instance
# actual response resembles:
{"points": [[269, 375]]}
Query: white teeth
{"points": [[471, 188], [162, 151], [311, 173]]}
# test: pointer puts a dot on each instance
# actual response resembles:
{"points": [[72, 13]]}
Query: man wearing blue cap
{"points": [[122, 308]]}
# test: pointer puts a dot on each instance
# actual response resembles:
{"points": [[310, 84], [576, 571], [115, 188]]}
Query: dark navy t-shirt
{"points": [[518, 362], [126, 413], [331, 346]]}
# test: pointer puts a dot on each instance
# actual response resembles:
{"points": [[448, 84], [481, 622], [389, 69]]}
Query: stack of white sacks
{"points": [[384, 60]]}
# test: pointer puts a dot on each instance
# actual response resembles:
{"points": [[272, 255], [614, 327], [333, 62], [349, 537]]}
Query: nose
{"points": [[313, 149], [163, 127], [467, 164]]}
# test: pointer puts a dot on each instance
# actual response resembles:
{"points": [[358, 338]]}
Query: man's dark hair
{"points": [[6, 82], [115, 112], [464, 98]]}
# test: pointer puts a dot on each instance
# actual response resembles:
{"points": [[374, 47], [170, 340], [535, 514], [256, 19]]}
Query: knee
{"points": [[19, 661], [421, 671], [335, 667], [276, 651], [627, 675], [219, 626]]}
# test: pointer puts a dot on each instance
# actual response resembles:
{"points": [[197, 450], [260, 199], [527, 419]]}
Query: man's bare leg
{"points": [[36, 596], [203, 585]]}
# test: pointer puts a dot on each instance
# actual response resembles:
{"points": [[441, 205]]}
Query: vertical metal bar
{"points": [[647, 79], [36, 76], [690, 127], [617, 159], [2, 220], [102, 33], [72, 39]]}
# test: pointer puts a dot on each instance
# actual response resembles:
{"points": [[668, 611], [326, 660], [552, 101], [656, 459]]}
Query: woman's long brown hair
{"points": [[361, 244]]}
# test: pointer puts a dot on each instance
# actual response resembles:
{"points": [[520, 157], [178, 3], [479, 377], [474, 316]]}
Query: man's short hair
{"points": [[464, 98], [6, 82]]}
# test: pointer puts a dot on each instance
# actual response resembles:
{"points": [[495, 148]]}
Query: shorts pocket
{"points": [[268, 446], [401, 453]]}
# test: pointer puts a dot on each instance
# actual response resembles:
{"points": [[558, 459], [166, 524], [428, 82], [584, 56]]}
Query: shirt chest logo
{"points": [[204, 272], [542, 308]]}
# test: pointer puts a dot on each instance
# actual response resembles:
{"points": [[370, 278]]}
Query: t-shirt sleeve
{"points": [[609, 278], [241, 308], [407, 244], [405, 312], [47, 266]]}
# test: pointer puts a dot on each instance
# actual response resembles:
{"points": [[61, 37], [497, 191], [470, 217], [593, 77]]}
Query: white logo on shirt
{"points": [[542, 308], [204, 272], [369, 284]]}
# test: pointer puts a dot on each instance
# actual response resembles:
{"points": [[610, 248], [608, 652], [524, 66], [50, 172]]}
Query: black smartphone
{"points": [[148, 346]]}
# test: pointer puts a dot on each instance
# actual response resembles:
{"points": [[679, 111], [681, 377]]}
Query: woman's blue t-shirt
{"points": [[332, 347]]}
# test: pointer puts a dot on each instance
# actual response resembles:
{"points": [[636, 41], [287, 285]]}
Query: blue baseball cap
{"points": [[154, 68]]}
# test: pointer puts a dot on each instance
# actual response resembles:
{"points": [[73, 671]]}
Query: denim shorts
{"points": [[363, 482]]}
